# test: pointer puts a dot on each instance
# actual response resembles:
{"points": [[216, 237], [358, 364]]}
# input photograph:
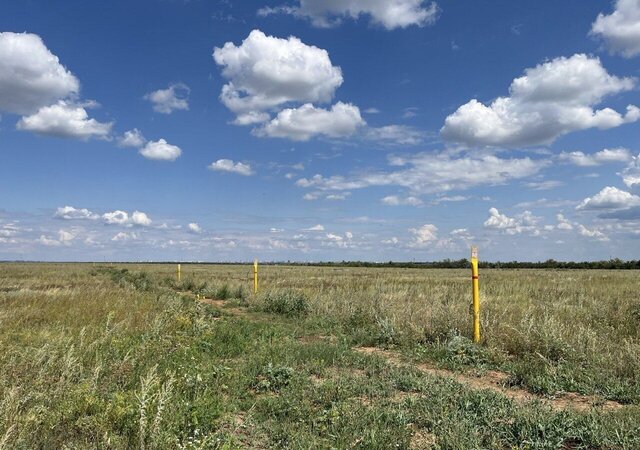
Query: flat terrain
{"points": [[123, 356]]}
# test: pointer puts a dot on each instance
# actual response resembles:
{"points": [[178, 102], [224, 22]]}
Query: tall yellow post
{"points": [[255, 276], [476, 294], [178, 272]]}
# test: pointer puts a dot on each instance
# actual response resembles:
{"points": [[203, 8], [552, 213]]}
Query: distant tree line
{"points": [[464, 263]]}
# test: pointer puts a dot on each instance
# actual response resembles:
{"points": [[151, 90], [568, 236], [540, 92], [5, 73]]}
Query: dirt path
{"points": [[221, 304], [492, 380], [496, 381]]}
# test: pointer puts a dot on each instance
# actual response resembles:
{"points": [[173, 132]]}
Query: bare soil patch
{"points": [[496, 381]]}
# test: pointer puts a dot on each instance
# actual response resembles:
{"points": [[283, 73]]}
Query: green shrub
{"points": [[287, 303], [273, 378]]}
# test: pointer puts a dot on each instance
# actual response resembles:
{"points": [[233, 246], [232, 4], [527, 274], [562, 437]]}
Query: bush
{"points": [[287, 303], [273, 378]]}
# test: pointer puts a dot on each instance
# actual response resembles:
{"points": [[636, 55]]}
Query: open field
{"points": [[125, 357]]}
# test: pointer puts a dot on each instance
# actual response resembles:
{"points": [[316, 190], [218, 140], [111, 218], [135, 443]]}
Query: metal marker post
{"points": [[255, 276], [476, 294], [178, 272]]}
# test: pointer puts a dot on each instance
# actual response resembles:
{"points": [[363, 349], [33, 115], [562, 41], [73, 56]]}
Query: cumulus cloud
{"points": [[424, 235], [116, 217], [227, 165], [124, 236], [389, 14], [140, 218], [132, 138], [307, 121], [563, 223], [31, 77], [425, 173], [174, 98], [160, 150], [122, 218], [595, 159], [266, 72], [592, 233], [71, 213], [394, 200], [620, 30], [64, 238], [609, 198], [315, 228], [65, 120], [631, 173], [194, 228], [525, 222], [548, 101]]}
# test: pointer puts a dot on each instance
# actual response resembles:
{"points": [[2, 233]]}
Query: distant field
{"points": [[124, 356]]}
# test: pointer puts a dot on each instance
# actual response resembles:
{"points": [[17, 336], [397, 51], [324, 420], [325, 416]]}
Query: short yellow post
{"points": [[255, 276], [178, 272], [476, 294]]}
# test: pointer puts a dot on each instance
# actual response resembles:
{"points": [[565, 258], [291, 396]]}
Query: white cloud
{"points": [[525, 222], [550, 100], [307, 121], [140, 218], [227, 165], [371, 111], [544, 185], [174, 98], [266, 72], [49, 242], [391, 241], [389, 14], [160, 150], [563, 223], [66, 237], [631, 173], [31, 77], [66, 120], [424, 235], [594, 233], [132, 138], [431, 172], [338, 197], [602, 157], [609, 198], [394, 200], [194, 228], [123, 218], [620, 30], [116, 217], [123, 237], [71, 213], [395, 134], [315, 228]]}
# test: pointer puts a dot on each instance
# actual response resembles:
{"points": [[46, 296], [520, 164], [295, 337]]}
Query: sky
{"points": [[309, 130]]}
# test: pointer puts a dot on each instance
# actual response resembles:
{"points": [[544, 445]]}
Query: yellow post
{"points": [[255, 276], [476, 294], [178, 272]]}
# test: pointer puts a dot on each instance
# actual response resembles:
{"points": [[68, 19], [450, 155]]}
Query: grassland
{"points": [[126, 357]]}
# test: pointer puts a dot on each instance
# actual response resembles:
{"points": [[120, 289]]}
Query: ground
{"points": [[124, 356]]}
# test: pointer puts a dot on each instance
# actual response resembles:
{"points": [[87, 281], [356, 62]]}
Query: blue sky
{"points": [[319, 130]]}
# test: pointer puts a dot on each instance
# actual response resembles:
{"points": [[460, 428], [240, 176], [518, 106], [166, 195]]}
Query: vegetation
{"points": [[126, 357]]}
